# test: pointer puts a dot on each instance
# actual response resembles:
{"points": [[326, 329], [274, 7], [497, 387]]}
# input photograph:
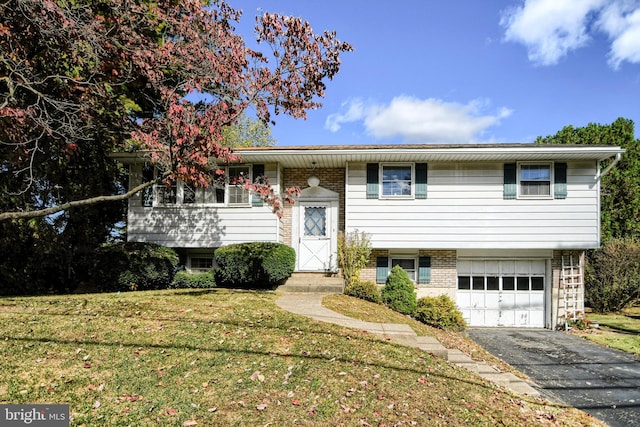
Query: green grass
{"points": [[232, 358], [617, 330]]}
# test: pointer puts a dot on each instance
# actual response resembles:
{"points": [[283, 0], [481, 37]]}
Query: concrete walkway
{"points": [[310, 305]]}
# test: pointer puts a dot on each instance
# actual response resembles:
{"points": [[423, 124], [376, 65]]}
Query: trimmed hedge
{"points": [[367, 291], [184, 280], [398, 292], [440, 312], [255, 265], [134, 266]]}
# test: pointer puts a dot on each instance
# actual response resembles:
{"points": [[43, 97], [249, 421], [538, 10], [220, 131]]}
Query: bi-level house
{"points": [[501, 229]]}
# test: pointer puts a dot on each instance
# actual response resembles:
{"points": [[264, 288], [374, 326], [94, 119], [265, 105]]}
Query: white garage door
{"points": [[502, 293]]}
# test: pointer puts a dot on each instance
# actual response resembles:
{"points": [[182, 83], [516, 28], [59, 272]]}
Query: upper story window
{"points": [[396, 181], [226, 191], [534, 179]]}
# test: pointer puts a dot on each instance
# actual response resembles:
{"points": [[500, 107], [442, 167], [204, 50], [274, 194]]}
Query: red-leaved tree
{"points": [[79, 80]]}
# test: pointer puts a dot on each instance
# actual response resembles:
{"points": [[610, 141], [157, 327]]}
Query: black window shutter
{"points": [[372, 181], [382, 269], [560, 181], [510, 181], [421, 180], [424, 269]]}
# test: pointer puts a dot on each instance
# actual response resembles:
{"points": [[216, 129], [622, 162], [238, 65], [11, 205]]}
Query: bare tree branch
{"points": [[85, 202]]}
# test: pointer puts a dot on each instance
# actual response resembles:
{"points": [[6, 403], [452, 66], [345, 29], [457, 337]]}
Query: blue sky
{"points": [[467, 71]]}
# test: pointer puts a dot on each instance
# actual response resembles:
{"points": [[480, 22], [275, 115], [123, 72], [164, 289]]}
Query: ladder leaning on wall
{"points": [[572, 284]]}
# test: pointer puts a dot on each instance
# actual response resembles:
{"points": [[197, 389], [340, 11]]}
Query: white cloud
{"points": [[550, 29], [621, 21], [355, 112], [421, 120]]}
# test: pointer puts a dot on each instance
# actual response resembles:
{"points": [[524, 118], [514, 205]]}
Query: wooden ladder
{"points": [[572, 285]]}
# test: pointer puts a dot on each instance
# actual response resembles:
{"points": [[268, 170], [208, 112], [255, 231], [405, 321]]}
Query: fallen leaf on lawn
{"points": [[87, 357], [130, 397], [295, 402], [214, 409], [257, 376], [87, 365], [96, 404], [172, 411], [261, 407], [189, 423]]}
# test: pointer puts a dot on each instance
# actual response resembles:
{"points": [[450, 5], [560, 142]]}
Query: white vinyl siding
{"points": [[200, 226], [466, 209]]}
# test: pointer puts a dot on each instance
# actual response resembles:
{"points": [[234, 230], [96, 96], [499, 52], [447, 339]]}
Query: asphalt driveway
{"points": [[568, 369]]}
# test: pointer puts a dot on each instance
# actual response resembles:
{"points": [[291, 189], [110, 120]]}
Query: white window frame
{"points": [[195, 269], [535, 196], [412, 184], [200, 193], [413, 274]]}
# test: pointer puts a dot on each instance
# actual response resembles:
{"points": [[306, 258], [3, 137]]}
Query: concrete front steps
{"points": [[313, 282], [309, 304], [456, 357]]}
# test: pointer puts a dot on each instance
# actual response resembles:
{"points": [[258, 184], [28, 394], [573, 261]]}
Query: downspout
{"points": [[608, 168]]}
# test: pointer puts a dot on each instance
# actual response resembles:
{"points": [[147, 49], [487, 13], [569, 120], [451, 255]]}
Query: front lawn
{"points": [[617, 330], [233, 358]]}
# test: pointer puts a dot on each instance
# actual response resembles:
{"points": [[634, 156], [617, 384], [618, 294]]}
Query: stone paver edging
{"points": [[310, 305]]}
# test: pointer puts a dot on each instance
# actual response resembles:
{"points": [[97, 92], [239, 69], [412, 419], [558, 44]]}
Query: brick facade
{"points": [[443, 272]]}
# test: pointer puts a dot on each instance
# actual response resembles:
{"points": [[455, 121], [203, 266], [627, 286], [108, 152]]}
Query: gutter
{"points": [[608, 168]]}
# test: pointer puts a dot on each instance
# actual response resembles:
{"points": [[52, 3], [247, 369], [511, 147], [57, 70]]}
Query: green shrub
{"points": [[184, 280], [440, 312], [134, 266], [367, 291], [254, 265], [354, 250], [612, 279], [398, 292]]}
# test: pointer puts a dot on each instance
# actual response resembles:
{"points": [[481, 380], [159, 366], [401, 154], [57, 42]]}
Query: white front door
{"points": [[316, 237]]}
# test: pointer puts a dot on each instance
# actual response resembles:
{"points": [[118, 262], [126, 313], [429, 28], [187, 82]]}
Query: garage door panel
{"points": [[536, 300], [491, 317], [508, 301], [507, 318], [522, 301], [464, 299], [477, 317], [477, 300], [492, 300]]}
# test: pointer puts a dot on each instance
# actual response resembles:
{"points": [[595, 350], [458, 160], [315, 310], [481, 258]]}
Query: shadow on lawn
{"points": [[270, 354]]}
